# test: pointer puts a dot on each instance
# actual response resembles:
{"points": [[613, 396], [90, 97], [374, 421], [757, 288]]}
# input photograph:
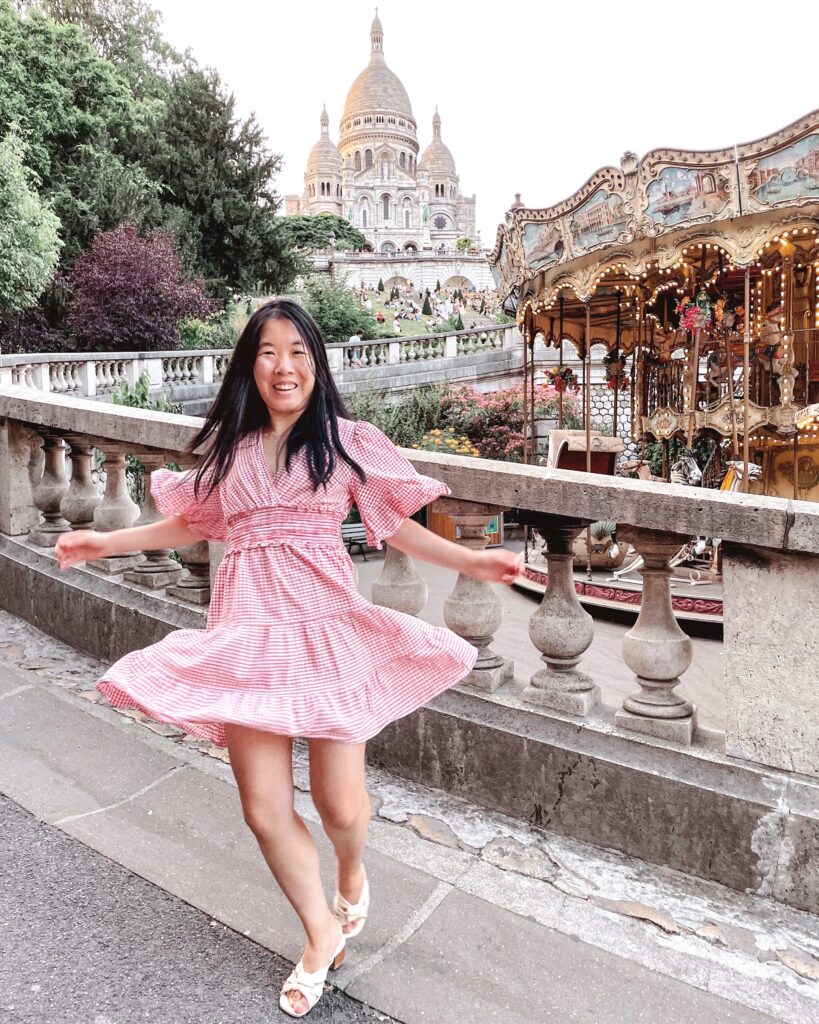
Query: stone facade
{"points": [[375, 178]]}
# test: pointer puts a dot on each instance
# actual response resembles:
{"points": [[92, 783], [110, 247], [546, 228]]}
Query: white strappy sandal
{"points": [[311, 986], [347, 912]]}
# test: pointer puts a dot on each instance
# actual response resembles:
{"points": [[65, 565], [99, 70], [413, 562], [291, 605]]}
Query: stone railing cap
{"points": [[748, 519]]}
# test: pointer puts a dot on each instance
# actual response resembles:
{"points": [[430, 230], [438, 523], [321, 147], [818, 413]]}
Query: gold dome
{"points": [[377, 88]]}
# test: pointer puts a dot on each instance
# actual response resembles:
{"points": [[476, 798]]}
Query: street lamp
{"points": [[332, 240]]}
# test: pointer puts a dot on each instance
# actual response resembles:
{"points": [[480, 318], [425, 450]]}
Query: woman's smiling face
{"points": [[283, 370]]}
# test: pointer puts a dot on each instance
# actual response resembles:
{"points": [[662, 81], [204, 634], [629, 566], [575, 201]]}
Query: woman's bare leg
{"points": [[263, 767], [337, 786]]}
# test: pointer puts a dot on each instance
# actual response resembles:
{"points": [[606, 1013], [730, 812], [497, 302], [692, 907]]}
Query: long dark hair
{"points": [[239, 409]]}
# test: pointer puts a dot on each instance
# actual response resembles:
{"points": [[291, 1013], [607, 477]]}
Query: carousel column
{"points": [[158, 568], [398, 585], [656, 649], [473, 609], [49, 492], [82, 498], [116, 511], [560, 628]]}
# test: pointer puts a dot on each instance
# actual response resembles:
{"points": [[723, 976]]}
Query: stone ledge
{"points": [[748, 827], [776, 524], [97, 615]]}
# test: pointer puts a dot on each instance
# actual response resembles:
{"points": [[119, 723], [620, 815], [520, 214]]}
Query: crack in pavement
{"points": [[19, 689], [120, 803], [416, 920]]}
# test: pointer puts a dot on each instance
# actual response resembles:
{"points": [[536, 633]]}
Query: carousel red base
{"points": [[605, 595]]}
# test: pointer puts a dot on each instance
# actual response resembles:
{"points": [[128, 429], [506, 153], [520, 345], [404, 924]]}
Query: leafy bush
{"points": [[337, 311], [127, 293], [494, 421], [30, 331], [218, 331], [405, 421]]}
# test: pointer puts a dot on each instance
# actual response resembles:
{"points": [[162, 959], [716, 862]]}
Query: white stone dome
{"points": [[324, 156], [436, 158], [377, 88]]}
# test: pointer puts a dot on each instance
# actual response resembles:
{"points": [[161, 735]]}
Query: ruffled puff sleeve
{"points": [[173, 495], [393, 491]]}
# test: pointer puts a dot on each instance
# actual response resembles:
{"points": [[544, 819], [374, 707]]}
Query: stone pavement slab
{"points": [[187, 836], [543, 901], [56, 761], [485, 965]]}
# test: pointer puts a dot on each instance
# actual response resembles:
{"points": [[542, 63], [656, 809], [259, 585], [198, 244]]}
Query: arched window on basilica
{"points": [[385, 207], [338, 190], [357, 160], [365, 209], [385, 169], [368, 158], [407, 212], [402, 161]]}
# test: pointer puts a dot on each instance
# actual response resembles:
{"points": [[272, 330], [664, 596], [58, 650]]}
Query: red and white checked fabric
{"points": [[290, 645]]}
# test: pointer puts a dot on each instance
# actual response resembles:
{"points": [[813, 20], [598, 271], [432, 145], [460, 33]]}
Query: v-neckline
{"points": [[263, 456]]}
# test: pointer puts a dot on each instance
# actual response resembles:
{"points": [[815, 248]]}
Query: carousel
{"points": [[698, 274]]}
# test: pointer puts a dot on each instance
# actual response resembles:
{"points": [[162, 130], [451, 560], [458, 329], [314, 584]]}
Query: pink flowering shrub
{"points": [[493, 422]]}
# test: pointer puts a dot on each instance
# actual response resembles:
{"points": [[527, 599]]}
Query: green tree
{"points": [[380, 285], [305, 231], [128, 33], [437, 286], [337, 311], [73, 109], [218, 176], [464, 244], [29, 240], [426, 309]]}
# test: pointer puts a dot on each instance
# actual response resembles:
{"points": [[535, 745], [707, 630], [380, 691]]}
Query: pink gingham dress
{"points": [[290, 646]]}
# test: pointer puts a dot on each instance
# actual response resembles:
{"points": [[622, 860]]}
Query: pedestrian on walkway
{"points": [[291, 649]]}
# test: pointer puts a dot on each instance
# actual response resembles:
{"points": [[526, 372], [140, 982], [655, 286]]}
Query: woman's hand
{"points": [[496, 566], [81, 546]]}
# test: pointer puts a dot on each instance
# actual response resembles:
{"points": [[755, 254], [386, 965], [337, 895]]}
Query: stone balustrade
{"points": [[542, 745], [770, 549], [352, 355], [98, 375]]}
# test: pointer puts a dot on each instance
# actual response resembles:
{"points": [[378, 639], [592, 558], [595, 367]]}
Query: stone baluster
{"points": [[473, 609], [82, 498], [49, 492], [560, 628], [194, 584], [398, 585], [158, 568], [656, 649], [116, 511]]}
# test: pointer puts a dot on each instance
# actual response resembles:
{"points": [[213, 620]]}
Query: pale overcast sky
{"points": [[533, 99]]}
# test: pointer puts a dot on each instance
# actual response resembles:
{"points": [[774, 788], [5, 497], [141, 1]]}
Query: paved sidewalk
{"points": [[84, 941], [476, 918]]}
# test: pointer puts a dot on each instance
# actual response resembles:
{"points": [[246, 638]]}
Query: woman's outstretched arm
{"points": [[418, 542], [83, 545]]}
